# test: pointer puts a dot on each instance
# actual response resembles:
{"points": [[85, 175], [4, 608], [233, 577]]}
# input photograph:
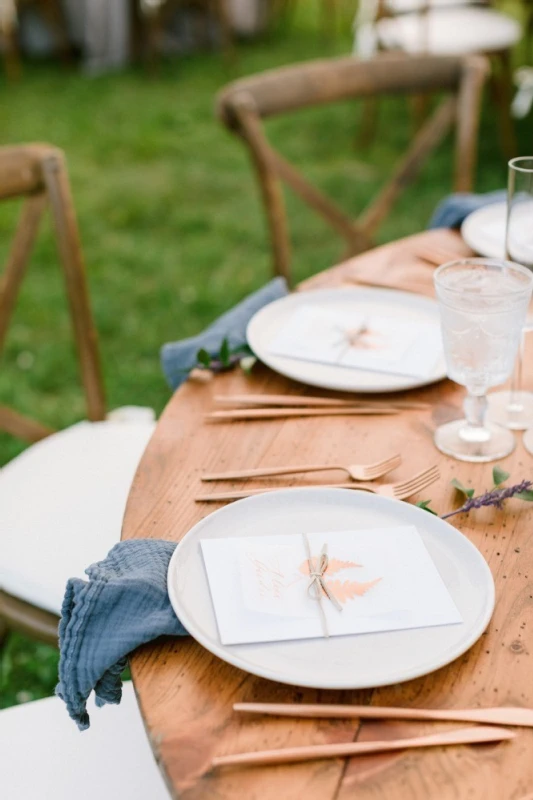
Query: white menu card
{"points": [[353, 339], [382, 579]]}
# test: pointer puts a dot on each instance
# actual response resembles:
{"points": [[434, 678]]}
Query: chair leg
{"points": [[10, 41], [136, 31], [226, 36], [419, 108], [201, 21], [145, 34], [277, 223], [52, 11], [18, 258], [153, 26], [4, 633], [274, 205], [22, 427], [66, 228], [502, 81], [529, 35], [12, 60], [18, 615]]}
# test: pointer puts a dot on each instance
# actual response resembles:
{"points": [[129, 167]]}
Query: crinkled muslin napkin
{"points": [[124, 604], [453, 210], [178, 358]]}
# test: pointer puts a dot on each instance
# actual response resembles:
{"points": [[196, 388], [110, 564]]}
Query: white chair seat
{"points": [[45, 757], [449, 31], [404, 6], [61, 506]]}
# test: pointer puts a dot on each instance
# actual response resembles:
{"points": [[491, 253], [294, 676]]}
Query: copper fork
{"points": [[400, 490], [357, 472]]}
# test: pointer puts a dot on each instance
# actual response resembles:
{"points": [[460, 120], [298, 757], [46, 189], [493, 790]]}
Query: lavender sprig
{"points": [[494, 497], [217, 365]]}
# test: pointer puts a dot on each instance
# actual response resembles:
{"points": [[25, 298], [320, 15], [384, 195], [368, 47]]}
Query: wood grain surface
{"points": [[186, 694]]}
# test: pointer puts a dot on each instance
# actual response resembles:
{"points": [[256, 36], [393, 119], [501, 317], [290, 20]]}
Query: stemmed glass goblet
{"points": [[514, 408], [483, 305]]}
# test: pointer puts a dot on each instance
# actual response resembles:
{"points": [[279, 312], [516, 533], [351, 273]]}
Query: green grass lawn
{"points": [[172, 227]]}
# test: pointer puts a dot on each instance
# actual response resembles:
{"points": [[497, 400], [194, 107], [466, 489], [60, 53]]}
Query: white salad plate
{"points": [[484, 230], [340, 662], [404, 306]]}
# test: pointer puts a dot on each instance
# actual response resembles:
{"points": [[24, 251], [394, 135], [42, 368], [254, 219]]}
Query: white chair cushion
{"points": [[450, 31], [61, 506], [404, 6], [45, 757]]}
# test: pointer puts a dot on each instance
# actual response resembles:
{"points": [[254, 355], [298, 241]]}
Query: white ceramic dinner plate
{"points": [[266, 323], [341, 662], [484, 230]]}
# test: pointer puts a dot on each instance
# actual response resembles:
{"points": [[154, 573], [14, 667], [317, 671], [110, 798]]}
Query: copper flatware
{"points": [[503, 715], [289, 401], [245, 414], [357, 472], [398, 283], [473, 735], [400, 490]]}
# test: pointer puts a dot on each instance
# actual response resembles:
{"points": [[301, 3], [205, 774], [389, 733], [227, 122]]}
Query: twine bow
{"points": [[317, 585]]}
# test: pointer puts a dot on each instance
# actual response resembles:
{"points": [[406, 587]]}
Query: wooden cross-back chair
{"points": [[38, 173], [148, 25], [441, 28], [243, 105], [62, 499], [53, 14]]}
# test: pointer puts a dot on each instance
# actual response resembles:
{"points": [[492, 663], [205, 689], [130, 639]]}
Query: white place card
{"points": [[383, 580], [353, 339]]}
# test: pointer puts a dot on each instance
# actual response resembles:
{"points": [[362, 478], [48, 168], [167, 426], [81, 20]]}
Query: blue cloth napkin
{"points": [[451, 212], [178, 358], [124, 604]]}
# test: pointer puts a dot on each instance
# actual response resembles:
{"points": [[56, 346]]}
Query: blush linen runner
{"points": [[124, 604]]}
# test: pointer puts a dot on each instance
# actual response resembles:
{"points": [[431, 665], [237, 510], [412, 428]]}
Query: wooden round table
{"points": [[186, 694]]}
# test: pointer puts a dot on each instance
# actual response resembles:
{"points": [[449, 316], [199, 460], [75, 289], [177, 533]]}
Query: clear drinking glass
{"points": [[514, 408], [483, 305]]}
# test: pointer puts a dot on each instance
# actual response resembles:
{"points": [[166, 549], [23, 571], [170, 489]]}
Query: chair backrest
{"points": [[38, 173], [243, 104]]}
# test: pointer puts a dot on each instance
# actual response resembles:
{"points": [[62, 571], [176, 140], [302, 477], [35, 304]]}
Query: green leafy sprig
{"points": [[495, 496], [226, 358]]}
